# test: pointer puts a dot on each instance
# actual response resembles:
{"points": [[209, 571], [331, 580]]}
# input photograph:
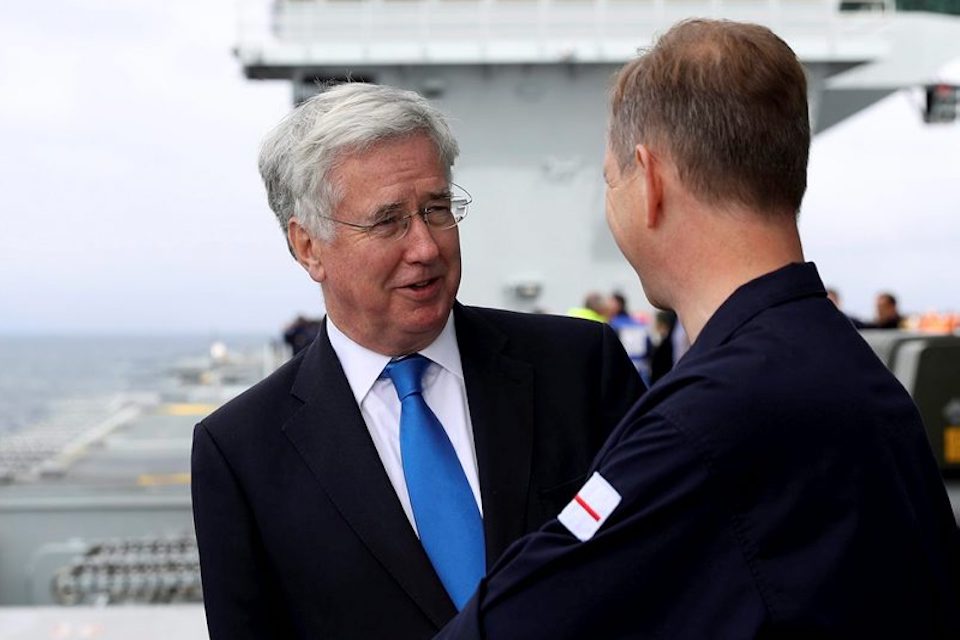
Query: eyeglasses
{"points": [[441, 213]]}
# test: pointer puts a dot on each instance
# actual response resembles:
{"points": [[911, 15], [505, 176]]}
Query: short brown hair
{"points": [[727, 102]]}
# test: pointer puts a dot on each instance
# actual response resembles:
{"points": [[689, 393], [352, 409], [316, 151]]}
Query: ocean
{"points": [[39, 373]]}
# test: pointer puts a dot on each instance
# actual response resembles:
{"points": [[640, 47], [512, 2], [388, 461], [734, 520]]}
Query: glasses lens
{"points": [[390, 228], [437, 215], [459, 201]]}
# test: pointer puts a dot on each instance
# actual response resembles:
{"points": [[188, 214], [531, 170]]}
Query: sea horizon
{"points": [[41, 373]]}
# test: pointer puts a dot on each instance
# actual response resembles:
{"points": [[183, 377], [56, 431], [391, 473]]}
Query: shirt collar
{"points": [[363, 367], [793, 281]]}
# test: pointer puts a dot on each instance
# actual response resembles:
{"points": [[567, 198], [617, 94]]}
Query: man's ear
{"points": [[651, 174], [307, 249]]}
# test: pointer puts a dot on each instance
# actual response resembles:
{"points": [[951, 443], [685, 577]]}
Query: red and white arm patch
{"points": [[590, 508]]}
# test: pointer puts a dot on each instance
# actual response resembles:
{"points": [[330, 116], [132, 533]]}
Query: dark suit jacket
{"points": [[301, 534]]}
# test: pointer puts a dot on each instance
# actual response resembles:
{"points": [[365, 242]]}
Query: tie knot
{"points": [[406, 374]]}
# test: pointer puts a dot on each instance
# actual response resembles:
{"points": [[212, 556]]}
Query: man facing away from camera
{"points": [[362, 490], [777, 483]]}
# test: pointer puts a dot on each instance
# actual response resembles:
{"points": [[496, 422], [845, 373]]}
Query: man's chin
{"points": [[656, 301], [421, 327]]}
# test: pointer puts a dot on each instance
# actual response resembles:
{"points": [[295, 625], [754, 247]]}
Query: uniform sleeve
{"points": [[240, 597], [664, 563]]}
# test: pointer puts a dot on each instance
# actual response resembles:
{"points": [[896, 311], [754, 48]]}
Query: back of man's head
{"points": [[727, 103], [299, 156]]}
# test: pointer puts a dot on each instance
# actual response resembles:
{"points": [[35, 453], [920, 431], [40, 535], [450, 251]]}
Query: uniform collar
{"points": [[794, 281], [362, 367]]}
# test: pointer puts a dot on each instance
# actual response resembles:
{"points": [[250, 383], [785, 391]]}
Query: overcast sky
{"points": [[130, 196], [130, 202], [882, 210]]}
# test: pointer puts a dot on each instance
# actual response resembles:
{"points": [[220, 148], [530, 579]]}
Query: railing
{"points": [[154, 570], [451, 31]]}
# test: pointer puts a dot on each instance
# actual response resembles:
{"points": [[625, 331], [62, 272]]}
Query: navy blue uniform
{"points": [[777, 483]]}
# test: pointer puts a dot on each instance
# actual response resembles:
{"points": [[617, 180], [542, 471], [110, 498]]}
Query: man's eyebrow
{"points": [[440, 194], [391, 208]]}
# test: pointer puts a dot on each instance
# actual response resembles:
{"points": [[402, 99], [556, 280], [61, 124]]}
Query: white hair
{"points": [[298, 157]]}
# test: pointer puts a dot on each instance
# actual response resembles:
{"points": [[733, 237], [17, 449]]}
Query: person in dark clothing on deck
{"points": [[888, 315], [778, 482]]}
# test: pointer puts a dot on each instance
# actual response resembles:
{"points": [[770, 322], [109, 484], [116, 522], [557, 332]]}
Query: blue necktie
{"points": [[451, 530]]}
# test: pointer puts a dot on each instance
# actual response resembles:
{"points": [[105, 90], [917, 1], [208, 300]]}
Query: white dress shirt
{"points": [[443, 390]]}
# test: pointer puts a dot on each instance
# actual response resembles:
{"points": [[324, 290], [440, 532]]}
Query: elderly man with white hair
{"points": [[363, 489]]}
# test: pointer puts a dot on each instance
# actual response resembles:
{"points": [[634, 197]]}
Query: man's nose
{"points": [[421, 245]]}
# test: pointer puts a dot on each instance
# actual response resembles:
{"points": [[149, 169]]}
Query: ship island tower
{"points": [[526, 85]]}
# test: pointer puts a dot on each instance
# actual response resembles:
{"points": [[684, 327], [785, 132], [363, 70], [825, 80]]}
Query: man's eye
{"points": [[385, 223], [438, 216], [385, 227]]}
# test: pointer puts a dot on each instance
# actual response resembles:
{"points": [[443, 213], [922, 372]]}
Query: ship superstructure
{"points": [[526, 85]]}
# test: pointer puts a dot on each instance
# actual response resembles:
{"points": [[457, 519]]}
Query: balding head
{"points": [[727, 103]]}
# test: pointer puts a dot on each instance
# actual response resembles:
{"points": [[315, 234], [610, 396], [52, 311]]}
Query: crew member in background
{"points": [[778, 482], [633, 334], [834, 296], [300, 334], [595, 307], [362, 490], [888, 315]]}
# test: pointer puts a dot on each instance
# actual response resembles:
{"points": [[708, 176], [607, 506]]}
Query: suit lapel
{"points": [[500, 395], [329, 433]]}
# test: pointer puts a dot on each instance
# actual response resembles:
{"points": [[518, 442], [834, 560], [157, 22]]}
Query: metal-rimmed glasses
{"points": [[439, 213]]}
